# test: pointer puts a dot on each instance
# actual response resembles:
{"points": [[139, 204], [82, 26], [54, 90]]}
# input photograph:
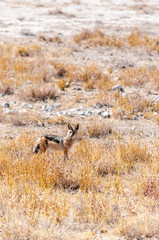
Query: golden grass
{"points": [[97, 129], [40, 92], [18, 66], [134, 39], [91, 76], [23, 65], [110, 185], [97, 38], [139, 77]]}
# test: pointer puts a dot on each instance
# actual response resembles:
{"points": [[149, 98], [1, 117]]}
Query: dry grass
{"points": [[134, 39], [97, 38], [55, 39], [108, 185], [135, 77], [97, 129], [126, 104], [22, 64], [91, 76], [39, 93], [140, 77]]}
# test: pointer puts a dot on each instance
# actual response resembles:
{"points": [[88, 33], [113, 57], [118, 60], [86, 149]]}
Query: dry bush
{"points": [[56, 39], [92, 76], [107, 165], [140, 76], [137, 39], [97, 129], [134, 103], [65, 70], [38, 93], [58, 120], [134, 39], [135, 77], [28, 50], [17, 71], [97, 38], [154, 78], [62, 84], [134, 151], [123, 157]]}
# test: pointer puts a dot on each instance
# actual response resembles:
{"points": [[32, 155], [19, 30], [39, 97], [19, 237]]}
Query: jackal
{"points": [[57, 142]]}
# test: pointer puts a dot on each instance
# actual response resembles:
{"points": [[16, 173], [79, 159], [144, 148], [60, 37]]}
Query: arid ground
{"points": [[95, 63]]}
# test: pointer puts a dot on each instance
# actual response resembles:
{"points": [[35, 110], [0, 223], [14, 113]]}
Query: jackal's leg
{"points": [[65, 154]]}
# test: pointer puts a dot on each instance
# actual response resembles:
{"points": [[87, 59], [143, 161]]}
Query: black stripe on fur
{"points": [[53, 138]]}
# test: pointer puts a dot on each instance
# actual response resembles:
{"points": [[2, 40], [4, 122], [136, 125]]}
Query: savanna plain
{"points": [[95, 63]]}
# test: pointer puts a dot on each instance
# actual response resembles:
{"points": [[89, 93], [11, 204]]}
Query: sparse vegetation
{"points": [[109, 186], [134, 39], [41, 93], [97, 129], [38, 187]]}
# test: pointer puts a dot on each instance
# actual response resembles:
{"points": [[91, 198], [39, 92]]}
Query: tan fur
{"points": [[57, 142]]}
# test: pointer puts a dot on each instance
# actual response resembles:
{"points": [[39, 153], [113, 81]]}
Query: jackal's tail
{"points": [[36, 148]]}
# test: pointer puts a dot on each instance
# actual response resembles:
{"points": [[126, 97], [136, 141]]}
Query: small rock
{"points": [[24, 105], [30, 106], [155, 113], [70, 114], [135, 117], [117, 87], [88, 112], [49, 108], [77, 88], [43, 107], [6, 105], [98, 106], [99, 112], [105, 114], [67, 84]]}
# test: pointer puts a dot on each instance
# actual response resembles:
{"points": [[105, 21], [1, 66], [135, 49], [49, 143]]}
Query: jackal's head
{"points": [[72, 130]]}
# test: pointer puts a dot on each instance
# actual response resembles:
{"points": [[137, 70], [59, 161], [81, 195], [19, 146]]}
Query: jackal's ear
{"points": [[77, 126], [69, 126]]}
